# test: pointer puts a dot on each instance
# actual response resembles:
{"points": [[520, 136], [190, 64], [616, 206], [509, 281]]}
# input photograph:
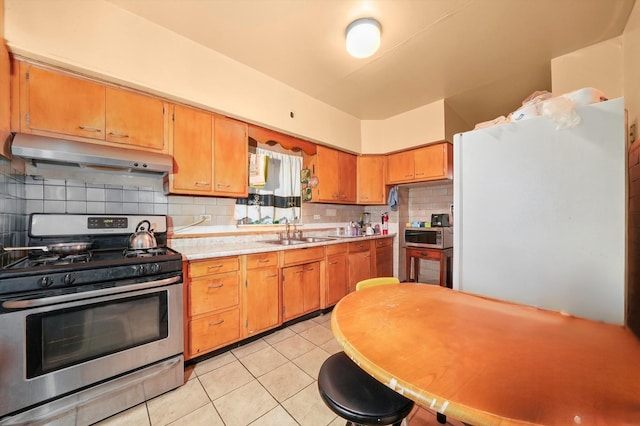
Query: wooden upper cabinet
{"points": [[371, 179], [209, 153], [336, 172], [432, 162], [400, 167], [230, 157], [5, 100], [192, 151], [59, 103], [134, 119]]}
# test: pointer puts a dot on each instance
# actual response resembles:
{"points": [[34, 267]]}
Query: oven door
{"points": [[49, 350]]}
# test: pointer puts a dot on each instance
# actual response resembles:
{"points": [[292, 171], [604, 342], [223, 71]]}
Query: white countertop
{"points": [[211, 247]]}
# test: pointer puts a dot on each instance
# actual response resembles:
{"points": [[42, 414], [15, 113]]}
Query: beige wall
{"points": [[599, 66], [631, 50], [453, 123], [100, 39], [416, 127]]}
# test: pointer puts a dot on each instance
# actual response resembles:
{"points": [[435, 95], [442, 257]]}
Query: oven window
{"points": [[65, 337]]}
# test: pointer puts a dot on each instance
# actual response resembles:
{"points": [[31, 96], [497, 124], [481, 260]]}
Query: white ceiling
{"points": [[483, 56]]}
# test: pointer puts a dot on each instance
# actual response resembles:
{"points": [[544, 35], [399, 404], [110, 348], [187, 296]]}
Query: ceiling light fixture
{"points": [[363, 37]]}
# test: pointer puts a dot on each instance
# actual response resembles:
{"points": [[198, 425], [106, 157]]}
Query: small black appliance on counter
{"points": [[440, 220]]}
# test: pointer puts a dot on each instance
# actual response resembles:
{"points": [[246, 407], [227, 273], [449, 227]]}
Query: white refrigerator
{"points": [[540, 213]]}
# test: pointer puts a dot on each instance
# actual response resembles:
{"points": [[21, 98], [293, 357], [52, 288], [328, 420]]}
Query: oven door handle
{"points": [[43, 301]]}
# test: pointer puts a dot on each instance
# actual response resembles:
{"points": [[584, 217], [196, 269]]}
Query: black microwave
{"points": [[437, 238]]}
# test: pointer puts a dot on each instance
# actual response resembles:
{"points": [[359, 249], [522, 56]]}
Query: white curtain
{"points": [[279, 198]]}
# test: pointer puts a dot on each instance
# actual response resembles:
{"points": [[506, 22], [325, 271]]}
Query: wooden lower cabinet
{"points": [[337, 274], [384, 257], [214, 331], [359, 263], [212, 302], [300, 290], [262, 292]]}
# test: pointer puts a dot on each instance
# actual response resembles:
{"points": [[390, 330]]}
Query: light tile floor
{"points": [[271, 381]]}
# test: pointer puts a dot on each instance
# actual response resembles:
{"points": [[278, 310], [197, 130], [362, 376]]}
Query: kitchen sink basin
{"points": [[314, 239], [286, 242], [303, 240]]}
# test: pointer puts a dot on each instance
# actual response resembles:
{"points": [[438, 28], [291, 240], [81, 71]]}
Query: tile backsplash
{"points": [[44, 195], [13, 228]]}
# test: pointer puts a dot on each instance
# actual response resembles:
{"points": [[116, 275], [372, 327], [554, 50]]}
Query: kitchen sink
{"points": [[286, 242], [314, 239], [303, 240]]}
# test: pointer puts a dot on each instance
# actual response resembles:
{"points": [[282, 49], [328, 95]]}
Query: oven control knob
{"points": [[46, 282], [68, 279], [142, 269], [155, 268]]}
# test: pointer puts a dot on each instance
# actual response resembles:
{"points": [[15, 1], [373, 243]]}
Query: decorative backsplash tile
{"points": [[13, 223]]}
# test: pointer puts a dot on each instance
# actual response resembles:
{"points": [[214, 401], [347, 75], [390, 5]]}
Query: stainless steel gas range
{"points": [[89, 327]]}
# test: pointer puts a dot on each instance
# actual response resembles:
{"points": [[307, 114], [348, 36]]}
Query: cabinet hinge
{"points": [[173, 117], [283, 309], [27, 118], [246, 284], [27, 75], [246, 323]]}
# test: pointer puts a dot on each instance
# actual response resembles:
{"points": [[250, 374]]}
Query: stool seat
{"points": [[354, 395]]}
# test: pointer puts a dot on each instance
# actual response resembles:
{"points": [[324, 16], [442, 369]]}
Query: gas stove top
{"points": [[107, 260]]}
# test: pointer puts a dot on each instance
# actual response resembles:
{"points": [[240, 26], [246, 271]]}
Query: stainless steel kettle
{"points": [[143, 238]]}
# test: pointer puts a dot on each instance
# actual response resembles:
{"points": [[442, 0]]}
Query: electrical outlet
{"points": [[206, 217], [316, 217]]}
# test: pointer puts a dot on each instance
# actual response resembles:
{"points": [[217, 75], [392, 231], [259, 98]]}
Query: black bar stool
{"points": [[354, 395]]}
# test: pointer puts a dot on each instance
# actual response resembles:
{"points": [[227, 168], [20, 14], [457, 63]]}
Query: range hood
{"points": [[41, 150]]}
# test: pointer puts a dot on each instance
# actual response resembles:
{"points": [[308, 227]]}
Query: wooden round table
{"points": [[484, 361]]}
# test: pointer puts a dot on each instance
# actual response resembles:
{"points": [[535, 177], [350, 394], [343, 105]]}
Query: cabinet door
{"points": [[5, 101], [384, 261], [359, 268], [347, 170], [311, 283], [192, 151], [292, 292], [230, 164], [328, 188], [400, 167], [337, 278], [134, 119], [58, 103], [263, 302], [430, 162], [371, 179]]}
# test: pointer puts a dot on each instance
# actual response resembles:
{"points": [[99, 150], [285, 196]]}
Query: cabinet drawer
{"points": [[337, 249], [303, 255], [357, 246], [213, 266], [260, 260], [214, 331], [384, 242], [213, 293], [425, 254]]}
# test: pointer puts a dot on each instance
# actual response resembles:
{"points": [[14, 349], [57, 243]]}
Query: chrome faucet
{"points": [[286, 221]]}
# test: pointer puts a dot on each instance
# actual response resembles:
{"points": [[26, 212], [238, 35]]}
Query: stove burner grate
{"points": [[150, 252], [53, 259]]}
